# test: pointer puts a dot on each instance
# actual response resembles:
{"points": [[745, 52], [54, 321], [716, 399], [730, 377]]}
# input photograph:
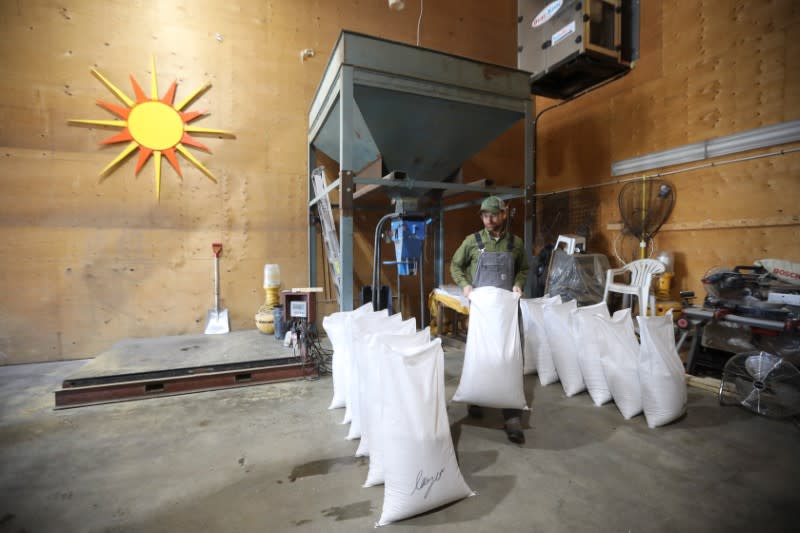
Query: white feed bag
{"points": [[336, 326], [660, 371], [366, 311], [620, 356], [419, 461], [373, 409], [360, 326], [565, 352], [367, 351], [492, 373], [536, 353], [587, 341]]}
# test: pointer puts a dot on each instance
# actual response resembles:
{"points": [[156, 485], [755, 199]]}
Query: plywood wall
{"points": [[707, 69], [86, 262]]}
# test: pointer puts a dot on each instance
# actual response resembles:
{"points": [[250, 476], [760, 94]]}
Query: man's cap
{"points": [[493, 204]]}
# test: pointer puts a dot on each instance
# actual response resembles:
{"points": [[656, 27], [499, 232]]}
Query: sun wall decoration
{"points": [[156, 126]]}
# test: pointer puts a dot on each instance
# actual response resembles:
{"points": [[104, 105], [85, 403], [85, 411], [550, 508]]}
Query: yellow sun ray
{"points": [[198, 129], [122, 155], [188, 155], [110, 86], [155, 126], [117, 123], [157, 166], [192, 96], [153, 81]]}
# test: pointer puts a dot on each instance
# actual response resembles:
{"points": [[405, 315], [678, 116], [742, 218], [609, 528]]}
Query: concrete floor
{"points": [[273, 458]]}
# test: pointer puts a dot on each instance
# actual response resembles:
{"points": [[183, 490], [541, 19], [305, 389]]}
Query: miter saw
{"points": [[746, 308]]}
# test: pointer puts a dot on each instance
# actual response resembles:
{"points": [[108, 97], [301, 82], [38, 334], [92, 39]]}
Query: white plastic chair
{"points": [[573, 242], [642, 271]]}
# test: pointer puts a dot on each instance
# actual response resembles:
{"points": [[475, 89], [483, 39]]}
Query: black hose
{"points": [[376, 260], [421, 288]]}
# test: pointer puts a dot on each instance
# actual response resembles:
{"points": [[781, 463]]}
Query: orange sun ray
{"points": [[169, 96], [173, 160], [144, 155], [122, 136], [121, 112], [189, 116], [140, 96], [187, 139]]}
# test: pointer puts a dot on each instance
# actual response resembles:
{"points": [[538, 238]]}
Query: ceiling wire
{"points": [[419, 21]]}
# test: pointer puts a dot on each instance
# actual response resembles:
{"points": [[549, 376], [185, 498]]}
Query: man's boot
{"points": [[475, 411], [514, 432]]}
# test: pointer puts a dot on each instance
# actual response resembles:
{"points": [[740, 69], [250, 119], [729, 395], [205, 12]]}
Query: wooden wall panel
{"points": [[88, 261], [724, 67]]}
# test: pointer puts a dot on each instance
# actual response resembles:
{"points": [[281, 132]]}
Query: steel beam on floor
{"points": [[117, 388]]}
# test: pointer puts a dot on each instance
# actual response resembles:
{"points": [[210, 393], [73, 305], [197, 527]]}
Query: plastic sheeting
{"points": [[661, 371], [580, 277], [492, 373], [419, 460]]}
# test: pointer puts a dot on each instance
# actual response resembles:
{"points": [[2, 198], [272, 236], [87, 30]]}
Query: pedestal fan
{"points": [[644, 205], [761, 382]]}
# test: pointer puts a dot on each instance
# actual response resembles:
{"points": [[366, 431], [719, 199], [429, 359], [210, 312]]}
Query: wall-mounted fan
{"points": [[644, 204], [761, 382]]}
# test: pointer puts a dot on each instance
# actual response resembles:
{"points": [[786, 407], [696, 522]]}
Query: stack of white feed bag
{"points": [[393, 382], [587, 349]]}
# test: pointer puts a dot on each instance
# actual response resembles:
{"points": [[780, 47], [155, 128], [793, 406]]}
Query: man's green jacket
{"points": [[465, 260]]}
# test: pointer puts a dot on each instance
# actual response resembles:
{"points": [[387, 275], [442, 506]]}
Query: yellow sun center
{"points": [[155, 125]]}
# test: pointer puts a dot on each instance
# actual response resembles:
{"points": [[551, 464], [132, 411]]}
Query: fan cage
{"points": [[761, 382]]}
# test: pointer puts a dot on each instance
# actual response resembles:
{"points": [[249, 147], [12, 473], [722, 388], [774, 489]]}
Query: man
{"points": [[493, 257]]}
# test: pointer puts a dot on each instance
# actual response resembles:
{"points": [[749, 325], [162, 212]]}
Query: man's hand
{"points": [[467, 289], [517, 290]]}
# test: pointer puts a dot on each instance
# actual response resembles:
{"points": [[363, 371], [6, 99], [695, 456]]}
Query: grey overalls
{"points": [[495, 269]]}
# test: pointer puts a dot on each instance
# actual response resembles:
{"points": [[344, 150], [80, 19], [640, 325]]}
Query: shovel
{"points": [[217, 318]]}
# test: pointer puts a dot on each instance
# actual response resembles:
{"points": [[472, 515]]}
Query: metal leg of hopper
{"points": [[346, 107]]}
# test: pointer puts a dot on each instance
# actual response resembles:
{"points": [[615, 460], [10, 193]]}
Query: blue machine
{"points": [[408, 237]]}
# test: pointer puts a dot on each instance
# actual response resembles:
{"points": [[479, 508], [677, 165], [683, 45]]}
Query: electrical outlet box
{"points": [[299, 304]]}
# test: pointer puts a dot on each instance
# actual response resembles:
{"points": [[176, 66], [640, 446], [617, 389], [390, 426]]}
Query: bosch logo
{"points": [[546, 13], [786, 273]]}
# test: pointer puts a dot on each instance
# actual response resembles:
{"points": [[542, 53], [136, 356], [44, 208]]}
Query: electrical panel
{"points": [[569, 46]]}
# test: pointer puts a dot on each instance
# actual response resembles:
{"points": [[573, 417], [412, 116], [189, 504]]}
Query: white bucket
{"points": [[272, 276]]}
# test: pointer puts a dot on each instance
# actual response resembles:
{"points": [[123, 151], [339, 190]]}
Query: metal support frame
{"points": [[336, 89]]}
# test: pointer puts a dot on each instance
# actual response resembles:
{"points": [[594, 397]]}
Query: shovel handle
{"points": [[217, 247]]}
